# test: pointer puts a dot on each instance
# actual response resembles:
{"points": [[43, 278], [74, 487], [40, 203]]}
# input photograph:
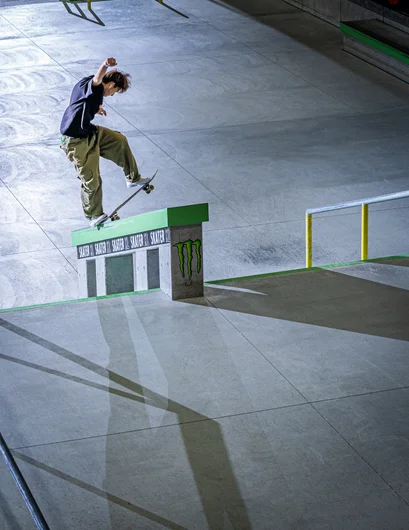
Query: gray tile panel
{"points": [[376, 426], [187, 40], [47, 20], [18, 230], [21, 53], [7, 30], [201, 479], [330, 333], [167, 366], [36, 278]]}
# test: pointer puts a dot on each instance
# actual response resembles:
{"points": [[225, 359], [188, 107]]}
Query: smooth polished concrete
{"points": [[278, 403], [261, 115]]}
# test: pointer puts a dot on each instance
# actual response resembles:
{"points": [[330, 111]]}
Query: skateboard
{"points": [[147, 188]]}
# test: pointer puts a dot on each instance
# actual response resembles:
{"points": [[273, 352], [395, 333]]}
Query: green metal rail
{"points": [[364, 220]]}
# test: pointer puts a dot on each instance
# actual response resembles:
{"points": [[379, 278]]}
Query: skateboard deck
{"points": [[113, 216]]}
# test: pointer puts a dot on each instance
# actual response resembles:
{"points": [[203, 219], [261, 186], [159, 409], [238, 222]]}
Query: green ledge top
{"points": [[177, 216]]}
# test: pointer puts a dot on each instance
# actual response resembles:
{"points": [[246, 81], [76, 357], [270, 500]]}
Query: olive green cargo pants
{"points": [[84, 153]]}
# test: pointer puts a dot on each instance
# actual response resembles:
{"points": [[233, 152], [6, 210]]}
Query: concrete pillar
{"points": [[82, 278], [100, 274], [186, 262], [141, 273], [329, 10]]}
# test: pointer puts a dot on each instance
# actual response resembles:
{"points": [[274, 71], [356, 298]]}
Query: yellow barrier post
{"points": [[364, 232], [308, 234]]}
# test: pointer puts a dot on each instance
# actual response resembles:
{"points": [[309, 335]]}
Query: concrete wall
{"points": [[335, 11], [351, 11], [328, 10]]}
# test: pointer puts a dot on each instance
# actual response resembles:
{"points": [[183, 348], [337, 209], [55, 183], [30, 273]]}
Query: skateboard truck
{"points": [[102, 218]]}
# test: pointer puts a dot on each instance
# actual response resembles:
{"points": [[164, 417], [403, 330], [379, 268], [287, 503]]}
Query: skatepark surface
{"points": [[252, 107], [279, 402], [275, 402]]}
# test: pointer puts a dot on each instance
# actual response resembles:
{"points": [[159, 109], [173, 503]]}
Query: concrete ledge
{"points": [[168, 217], [161, 249]]}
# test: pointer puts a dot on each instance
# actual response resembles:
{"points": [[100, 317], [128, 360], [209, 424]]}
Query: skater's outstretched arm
{"points": [[97, 79]]}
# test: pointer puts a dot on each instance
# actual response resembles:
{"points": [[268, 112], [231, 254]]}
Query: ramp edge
{"points": [[211, 282]]}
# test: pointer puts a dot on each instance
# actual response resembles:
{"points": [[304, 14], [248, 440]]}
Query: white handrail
{"points": [[364, 215], [360, 202]]}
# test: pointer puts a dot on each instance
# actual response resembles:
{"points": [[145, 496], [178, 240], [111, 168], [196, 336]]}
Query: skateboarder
{"points": [[83, 142]]}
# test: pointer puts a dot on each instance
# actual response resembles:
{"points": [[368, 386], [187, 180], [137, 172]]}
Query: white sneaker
{"points": [[94, 221], [140, 182]]}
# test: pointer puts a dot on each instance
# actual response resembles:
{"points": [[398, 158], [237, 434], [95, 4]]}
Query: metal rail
{"points": [[350, 204], [23, 487]]}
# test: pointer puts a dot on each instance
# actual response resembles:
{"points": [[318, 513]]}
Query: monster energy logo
{"points": [[189, 251]]}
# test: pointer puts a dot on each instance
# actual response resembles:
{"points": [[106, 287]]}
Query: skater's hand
{"points": [[102, 70], [101, 111], [110, 62]]}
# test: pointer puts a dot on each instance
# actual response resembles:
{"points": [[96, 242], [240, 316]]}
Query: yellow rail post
{"points": [[364, 232], [308, 233]]}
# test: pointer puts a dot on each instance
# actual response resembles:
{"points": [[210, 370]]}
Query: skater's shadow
{"points": [[201, 437]]}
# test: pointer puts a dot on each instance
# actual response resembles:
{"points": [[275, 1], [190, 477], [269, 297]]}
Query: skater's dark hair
{"points": [[120, 79]]}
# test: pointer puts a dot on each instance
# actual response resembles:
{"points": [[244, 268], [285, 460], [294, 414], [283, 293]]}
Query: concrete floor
{"points": [[286, 408], [260, 117]]}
